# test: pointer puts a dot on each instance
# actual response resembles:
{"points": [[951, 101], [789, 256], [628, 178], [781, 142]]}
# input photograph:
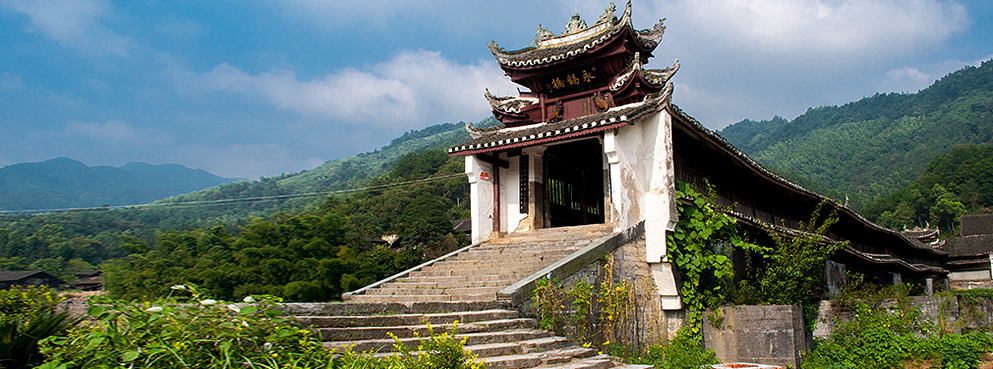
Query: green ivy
{"points": [[703, 228]]}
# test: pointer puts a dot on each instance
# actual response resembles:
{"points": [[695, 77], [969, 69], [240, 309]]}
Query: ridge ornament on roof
{"points": [[551, 48]]}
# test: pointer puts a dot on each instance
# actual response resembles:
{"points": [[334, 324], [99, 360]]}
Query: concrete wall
{"points": [[642, 188], [772, 335], [642, 177], [970, 275]]}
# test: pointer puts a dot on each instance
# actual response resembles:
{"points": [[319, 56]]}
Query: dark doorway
{"points": [[575, 183]]}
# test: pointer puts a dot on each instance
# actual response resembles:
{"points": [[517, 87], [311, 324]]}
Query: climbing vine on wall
{"points": [[792, 270], [593, 314], [697, 247]]}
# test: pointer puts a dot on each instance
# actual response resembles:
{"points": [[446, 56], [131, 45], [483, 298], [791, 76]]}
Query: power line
{"points": [[185, 204], [96, 224], [234, 186]]}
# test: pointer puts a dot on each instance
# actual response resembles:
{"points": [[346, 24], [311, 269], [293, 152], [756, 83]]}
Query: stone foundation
{"points": [[768, 334]]}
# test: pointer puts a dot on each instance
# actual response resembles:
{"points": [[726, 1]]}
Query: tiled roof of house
{"points": [[969, 245], [13, 276], [977, 224]]}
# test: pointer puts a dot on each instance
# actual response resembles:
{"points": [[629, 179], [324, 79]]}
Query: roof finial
{"points": [[575, 24]]}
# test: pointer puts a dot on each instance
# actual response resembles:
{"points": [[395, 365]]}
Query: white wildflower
{"points": [[154, 309], [234, 308], [248, 299], [179, 287], [208, 302]]}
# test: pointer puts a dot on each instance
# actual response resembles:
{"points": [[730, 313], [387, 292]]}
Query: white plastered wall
{"points": [[642, 188], [510, 196], [481, 193]]}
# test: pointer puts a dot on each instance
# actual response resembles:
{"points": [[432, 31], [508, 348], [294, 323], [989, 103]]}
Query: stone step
{"points": [[490, 350], [533, 245], [422, 298], [356, 309], [495, 256], [471, 339], [492, 264], [404, 291], [498, 268], [406, 319], [434, 291], [593, 362], [538, 358], [411, 331], [522, 272], [540, 241], [466, 278], [443, 283]]}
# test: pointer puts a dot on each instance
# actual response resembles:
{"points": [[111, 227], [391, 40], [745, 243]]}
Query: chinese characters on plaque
{"points": [[573, 79]]}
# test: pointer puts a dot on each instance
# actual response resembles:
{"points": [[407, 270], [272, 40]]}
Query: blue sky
{"points": [[257, 88]]}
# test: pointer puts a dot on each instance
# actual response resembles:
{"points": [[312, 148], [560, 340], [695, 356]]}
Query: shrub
{"points": [[685, 351], [26, 317], [439, 351], [194, 332], [882, 338]]}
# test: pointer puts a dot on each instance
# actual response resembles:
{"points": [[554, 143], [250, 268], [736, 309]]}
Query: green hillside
{"points": [[295, 192], [65, 183], [954, 184], [872, 147]]}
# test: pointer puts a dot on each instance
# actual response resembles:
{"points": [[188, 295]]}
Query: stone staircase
{"points": [[477, 273], [498, 336], [457, 294]]}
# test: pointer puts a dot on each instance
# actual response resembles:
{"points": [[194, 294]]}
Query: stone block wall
{"points": [[957, 314], [646, 323], [768, 334]]}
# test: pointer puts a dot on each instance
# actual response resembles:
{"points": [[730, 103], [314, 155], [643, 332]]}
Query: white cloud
{"points": [[413, 89], [114, 130], [818, 28], [908, 74], [913, 79], [9, 82], [243, 160], [75, 24]]}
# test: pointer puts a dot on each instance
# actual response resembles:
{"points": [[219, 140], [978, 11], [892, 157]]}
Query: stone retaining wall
{"points": [[768, 334]]}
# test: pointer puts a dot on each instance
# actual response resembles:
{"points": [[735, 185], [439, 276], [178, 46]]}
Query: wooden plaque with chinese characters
{"points": [[575, 79]]}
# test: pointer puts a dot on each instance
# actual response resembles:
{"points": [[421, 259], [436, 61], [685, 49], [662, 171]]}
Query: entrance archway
{"points": [[574, 173]]}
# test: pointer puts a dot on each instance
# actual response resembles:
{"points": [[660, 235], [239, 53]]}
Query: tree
{"points": [[424, 222], [947, 211]]}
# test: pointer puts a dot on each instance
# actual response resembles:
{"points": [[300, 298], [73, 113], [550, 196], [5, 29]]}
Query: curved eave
{"points": [[872, 258], [530, 57], [541, 133], [638, 81], [720, 142], [891, 260]]}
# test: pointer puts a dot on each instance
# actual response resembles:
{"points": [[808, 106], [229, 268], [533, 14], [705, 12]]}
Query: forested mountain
{"points": [[870, 148], [355, 201], [954, 184], [295, 192], [314, 255], [65, 183]]}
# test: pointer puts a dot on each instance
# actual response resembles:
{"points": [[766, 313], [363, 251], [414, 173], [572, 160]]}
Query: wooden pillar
{"points": [[496, 198]]}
